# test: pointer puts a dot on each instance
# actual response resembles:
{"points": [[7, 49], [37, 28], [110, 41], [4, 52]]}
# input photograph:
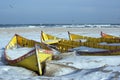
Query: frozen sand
{"points": [[89, 68], [18, 51]]}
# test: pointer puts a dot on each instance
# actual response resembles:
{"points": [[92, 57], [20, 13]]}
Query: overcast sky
{"points": [[59, 11]]}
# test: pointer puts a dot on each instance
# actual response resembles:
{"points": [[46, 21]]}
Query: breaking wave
{"points": [[60, 25]]}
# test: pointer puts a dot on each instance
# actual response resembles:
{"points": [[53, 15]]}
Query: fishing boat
{"points": [[49, 39], [80, 38], [68, 45], [27, 53], [105, 35]]}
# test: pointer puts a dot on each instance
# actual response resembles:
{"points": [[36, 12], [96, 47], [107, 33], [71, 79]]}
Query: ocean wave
{"points": [[31, 26], [60, 25]]}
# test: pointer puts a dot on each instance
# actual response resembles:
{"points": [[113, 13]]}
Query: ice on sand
{"points": [[91, 67], [15, 73], [18, 52]]}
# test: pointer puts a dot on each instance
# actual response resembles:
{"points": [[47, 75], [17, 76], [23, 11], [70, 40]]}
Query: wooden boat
{"points": [[49, 39], [104, 35], [76, 37], [66, 45], [79, 38], [34, 57]]}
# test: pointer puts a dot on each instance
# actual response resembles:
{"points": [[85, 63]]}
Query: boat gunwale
{"points": [[115, 38], [111, 52], [110, 36], [10, 61]]}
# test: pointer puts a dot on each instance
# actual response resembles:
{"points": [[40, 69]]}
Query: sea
{"points": [[60, 25]]}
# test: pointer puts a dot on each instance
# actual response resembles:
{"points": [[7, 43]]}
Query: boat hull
{"points": [[76, 37], [104, 35], [30, 59], [66, 45]]}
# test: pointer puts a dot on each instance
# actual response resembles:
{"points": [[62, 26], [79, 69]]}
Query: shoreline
{"points": [[93, 30]]}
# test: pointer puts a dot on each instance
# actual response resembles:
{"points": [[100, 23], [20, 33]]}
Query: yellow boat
{"points": [[27, 53], [65, 45], [76, 37], [104, 35], [49, 39]]}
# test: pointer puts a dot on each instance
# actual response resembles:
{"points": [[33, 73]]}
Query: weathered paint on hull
{"points": [[29, 60], [104, 35], [64, 46], [76, 37]]}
